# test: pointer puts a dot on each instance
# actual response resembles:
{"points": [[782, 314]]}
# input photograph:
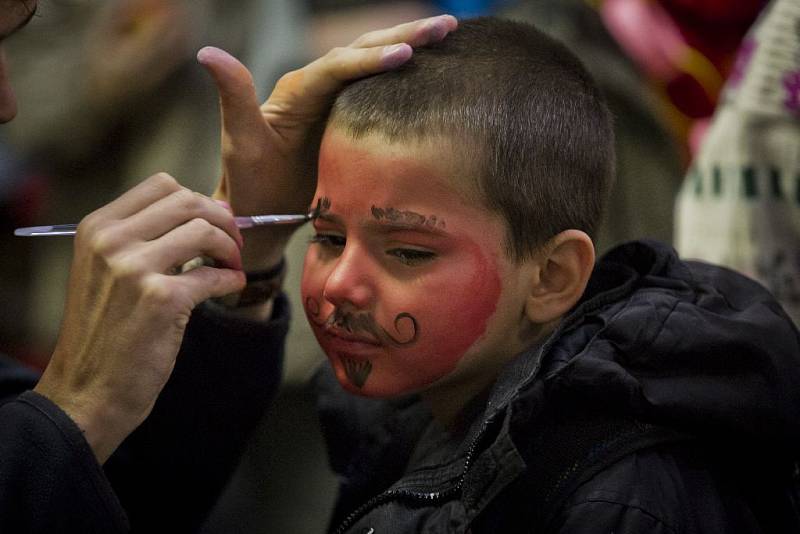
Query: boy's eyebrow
{"points": [[399, 226], [21, 25], [388, 225]]}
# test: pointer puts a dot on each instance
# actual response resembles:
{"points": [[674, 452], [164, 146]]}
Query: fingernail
{"points": [[395, 55], [203, 54], [437, 29], [207, 53]]}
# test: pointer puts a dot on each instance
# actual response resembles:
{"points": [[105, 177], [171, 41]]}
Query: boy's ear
{"points": [[560, 277]]}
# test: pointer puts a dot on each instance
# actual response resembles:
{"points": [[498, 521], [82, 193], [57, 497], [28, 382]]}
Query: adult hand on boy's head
{"points": [[270, 151], [127, 307]]}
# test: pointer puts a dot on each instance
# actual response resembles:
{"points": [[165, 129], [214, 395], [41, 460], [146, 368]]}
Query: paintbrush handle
{"points": [[266, 220], [241, 222]]}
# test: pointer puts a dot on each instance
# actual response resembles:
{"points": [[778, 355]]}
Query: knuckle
{"points": [[201, 225], [202, 228], [161, 183], [123, 267], [186, 199], [89, 225], [336, 53], [158, 290], [165, 180], [362, 39], [101, 241]]}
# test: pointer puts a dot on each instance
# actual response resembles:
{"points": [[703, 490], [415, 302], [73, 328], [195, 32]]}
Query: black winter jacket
{"points": [[167, 475], [697, 353]]}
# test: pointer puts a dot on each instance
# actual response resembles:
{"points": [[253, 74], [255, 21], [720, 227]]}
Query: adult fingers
{"points": [[197, 237], [176, 209], [417, 33], [237, 93], [301, 96], [134, 200], [204, 283]]}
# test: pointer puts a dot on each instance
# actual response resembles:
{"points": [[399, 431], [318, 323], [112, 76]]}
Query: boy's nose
{"points": [[350, 283]]}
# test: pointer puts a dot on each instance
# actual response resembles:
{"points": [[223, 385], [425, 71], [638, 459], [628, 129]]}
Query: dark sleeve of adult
{"points": [[50, 480], [170, 471]]}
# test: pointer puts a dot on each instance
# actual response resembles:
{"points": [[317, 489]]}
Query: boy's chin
{"points": [[367, 388], [372, 387]]}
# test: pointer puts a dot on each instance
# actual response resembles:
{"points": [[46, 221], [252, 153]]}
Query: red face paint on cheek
{"points": [[460, 311]]}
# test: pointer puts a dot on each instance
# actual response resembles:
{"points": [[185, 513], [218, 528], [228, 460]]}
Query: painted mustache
{"points": [[361, 323]]}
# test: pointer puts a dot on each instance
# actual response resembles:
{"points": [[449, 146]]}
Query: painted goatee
{"points": [[357, 371]]}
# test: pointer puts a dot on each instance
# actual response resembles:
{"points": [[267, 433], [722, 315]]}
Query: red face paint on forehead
{"points": [[432, 288]]}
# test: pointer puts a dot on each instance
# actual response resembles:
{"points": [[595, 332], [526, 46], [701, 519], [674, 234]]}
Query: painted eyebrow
{"points": [[388, 216], [21, 24], [387, 226]]}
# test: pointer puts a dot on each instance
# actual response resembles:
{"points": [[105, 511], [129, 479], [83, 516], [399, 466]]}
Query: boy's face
{"points": [[406, 282]]}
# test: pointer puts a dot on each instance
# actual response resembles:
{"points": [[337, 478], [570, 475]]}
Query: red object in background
{"points": [[688, 47], [715, 28], [716, 12]]}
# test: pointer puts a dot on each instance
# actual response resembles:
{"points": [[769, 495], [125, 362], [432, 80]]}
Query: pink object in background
{"points": [[697, 133], [647, 33], [791, 85]]}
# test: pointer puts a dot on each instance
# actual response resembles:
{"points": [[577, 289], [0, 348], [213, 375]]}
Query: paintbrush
{"points": [[241, 222]]}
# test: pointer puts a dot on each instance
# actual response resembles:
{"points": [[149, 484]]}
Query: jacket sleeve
{"points": [[50, 480], [169, 473]]}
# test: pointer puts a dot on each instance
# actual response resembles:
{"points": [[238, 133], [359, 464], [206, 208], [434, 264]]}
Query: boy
{"points": [[453, 274]]}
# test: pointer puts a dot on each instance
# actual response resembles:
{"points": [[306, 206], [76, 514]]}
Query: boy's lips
{"points": [[342, 335]]}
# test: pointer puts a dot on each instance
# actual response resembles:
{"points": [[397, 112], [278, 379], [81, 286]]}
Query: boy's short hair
{"points": [[524, 100]]}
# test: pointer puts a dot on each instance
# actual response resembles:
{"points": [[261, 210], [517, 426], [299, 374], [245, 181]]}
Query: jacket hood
{"points": [[697, 347]]}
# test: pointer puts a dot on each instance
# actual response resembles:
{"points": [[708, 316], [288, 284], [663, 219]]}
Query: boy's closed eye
{"points": [[411, 256], [406, 255]]}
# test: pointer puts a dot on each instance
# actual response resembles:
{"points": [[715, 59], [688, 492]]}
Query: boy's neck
{"points": [[447, 401]]}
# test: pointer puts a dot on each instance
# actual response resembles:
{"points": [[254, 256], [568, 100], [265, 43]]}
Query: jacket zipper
{"points": [[429, 497]]}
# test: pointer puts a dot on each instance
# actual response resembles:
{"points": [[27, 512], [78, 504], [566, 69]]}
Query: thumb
{"points": [[237, 95]]}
